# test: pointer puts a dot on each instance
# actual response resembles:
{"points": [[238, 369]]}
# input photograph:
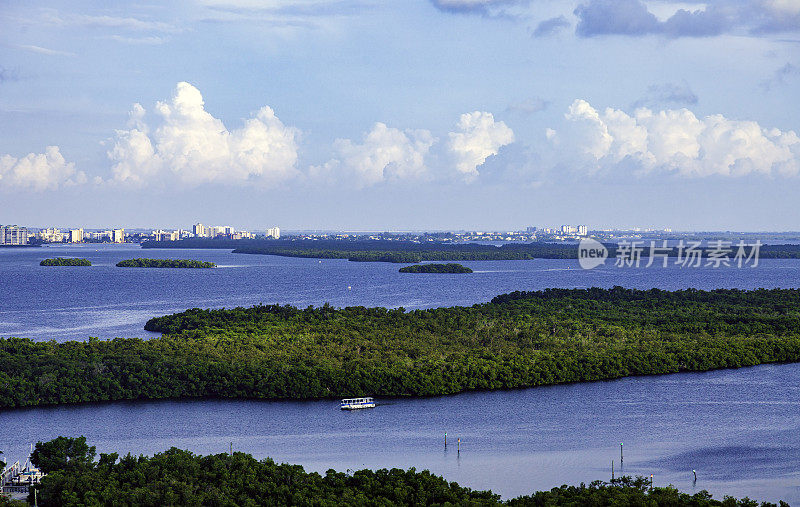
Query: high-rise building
{"points": [[199, 230], [118, 236], [13, 235], [579, 230], [274, 232], [220, 230], [50, 235], [76, 236]]}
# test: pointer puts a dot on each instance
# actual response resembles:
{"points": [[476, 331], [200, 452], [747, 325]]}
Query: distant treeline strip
{"points": [[410, 252], [521, 339], [449, 268], [178, 477]]}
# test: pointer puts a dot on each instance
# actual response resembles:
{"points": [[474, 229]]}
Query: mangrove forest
{"points": [[65, 261], [178, 477], [164, 263], [451, 267], [405, 252], [522, 339]]}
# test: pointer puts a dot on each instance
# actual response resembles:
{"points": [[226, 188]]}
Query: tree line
{"points": [[164, 263], [65, 261], [178, 477], [404, 251], [522, 339], [436, 268]]}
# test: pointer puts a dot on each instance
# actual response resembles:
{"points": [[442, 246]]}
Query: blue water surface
{"points": [[737, 428]]}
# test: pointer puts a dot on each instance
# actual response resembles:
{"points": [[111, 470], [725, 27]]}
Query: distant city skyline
{"points": [[275, 231], [417, 115]]}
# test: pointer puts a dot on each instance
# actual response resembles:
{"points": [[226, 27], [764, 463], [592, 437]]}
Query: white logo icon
{"points": [[591, 253]]}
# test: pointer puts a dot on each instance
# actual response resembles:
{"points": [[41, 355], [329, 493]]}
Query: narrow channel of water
{"points": [[737, 428]]}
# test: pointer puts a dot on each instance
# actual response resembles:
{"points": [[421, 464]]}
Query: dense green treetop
{"points": [[517, 340], [65, 261], [436, 268], [177, 477], [164, 263]]}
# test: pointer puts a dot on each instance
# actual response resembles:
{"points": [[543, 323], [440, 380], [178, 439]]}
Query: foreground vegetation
{"points": [[164, 263], [177, 477], [436, 268], [521, 339], [65, 261]]}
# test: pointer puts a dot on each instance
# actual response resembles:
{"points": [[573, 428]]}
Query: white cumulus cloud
{"points": [[478, 137], [674, 141], [188, 145], [385, 154], [39, 171]]}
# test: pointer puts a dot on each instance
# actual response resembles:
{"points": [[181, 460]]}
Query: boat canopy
{"points": [[357, 400]]}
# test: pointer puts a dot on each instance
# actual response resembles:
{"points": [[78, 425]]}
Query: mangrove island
{"points": [[65, 261], [164, 263], [522, 339], [448, 268]]}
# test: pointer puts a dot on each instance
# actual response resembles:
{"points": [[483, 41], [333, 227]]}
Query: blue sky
{"points": [[420, 114]]}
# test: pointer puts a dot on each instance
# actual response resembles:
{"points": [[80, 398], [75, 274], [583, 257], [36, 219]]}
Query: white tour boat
{"points": [[356, 403]]}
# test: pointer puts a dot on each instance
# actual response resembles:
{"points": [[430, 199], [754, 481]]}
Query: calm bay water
{"points": [[73, 303], [737, 428]]}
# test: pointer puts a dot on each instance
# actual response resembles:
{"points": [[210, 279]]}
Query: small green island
{"points": [[165, 263], [448, 268], [65, 261]]}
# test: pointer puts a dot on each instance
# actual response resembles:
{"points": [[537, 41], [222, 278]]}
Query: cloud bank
{"points": [[385, 154], [187, 145], [39, 171], [633, 18], [499, 9], [550, 26], [673, 141], [478, 136], [470, 6]]}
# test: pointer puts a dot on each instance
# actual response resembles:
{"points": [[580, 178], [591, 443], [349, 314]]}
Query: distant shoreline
{"points": [[407, 252]]}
